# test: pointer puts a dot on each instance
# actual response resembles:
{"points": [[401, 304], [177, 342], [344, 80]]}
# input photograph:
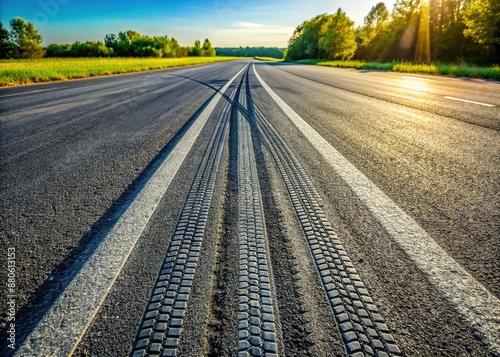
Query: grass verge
{"points": [[17, 72], [269, 59], [492, 72]]}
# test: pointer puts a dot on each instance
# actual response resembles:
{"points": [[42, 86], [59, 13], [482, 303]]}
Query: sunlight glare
{"points": [[415, 83], [423, 53]]}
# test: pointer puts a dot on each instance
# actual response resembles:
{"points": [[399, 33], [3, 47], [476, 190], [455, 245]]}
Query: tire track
{"points": [[162, 323], [256, 319], [362, 328]]}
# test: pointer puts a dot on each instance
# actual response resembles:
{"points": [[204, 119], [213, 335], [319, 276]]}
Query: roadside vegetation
{"points": [[269, 52], [23, 41], [23, 60], [268, 59], [415, 36], [26, 71], [456, 70], [492, 72]]}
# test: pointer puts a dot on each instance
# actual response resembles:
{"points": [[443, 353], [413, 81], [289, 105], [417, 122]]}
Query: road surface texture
{"points": [[251, 209]]}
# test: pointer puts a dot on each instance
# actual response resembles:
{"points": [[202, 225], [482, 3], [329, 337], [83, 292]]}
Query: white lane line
{"points": [[466, 294], [469, 101], [30, 92], [418, 79], [62, 327]]}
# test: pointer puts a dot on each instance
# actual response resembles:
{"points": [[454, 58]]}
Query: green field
{"points": [[16, 72]]}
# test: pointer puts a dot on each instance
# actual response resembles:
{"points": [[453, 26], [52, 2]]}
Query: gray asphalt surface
{"points": [[73, 155]]}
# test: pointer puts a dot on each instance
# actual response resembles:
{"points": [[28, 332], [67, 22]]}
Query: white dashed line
{"points": [[31, 92], [469, 101]]}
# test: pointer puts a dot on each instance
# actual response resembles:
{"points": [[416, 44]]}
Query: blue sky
{"points": [[224, 22]]}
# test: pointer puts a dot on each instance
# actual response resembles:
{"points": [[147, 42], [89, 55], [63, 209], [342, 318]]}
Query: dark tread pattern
{"points": [[256, 324], [161, 327], [361, 326]]}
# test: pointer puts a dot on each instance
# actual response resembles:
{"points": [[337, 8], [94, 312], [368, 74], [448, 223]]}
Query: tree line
{"points": [[456, 30], [24, 41], [273, 52]]}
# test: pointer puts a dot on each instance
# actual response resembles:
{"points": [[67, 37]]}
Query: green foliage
{"points": [[492, 72], [343, 64], [371, 37], [196, 49], [460, 30], [379, 66], [268, 59], [4, 33], [304, 43], [207, 49], [131, 44], [272, 52], [27, 42], [79, 49], [339, 39], [7, 47], [482, 19], [408, 67], [324, 36]]}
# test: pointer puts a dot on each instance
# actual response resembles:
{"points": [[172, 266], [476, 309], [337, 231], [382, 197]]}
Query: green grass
{"points": [[408, 67], [379, 66], [17, 72], [269, 59], [342, 64], [311, 61]]}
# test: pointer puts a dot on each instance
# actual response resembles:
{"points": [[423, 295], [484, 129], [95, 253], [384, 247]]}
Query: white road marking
{"points": [[480, 308], [469, 101], [418, 79], [30, 92], [63, 326]]}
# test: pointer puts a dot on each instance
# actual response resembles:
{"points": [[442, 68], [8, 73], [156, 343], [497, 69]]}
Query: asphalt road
{"points": [[307, 211]]}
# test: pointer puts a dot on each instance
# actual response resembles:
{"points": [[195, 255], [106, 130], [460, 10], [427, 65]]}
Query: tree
{"points": [[339, 40], [371, 37], [27, 40], [57, 50], [305, 40], [482, 19], [207, 49], [196, 49], [375, 22], [324, 36], [273, 52], [448, 42], [6, 46], [426, 30]]}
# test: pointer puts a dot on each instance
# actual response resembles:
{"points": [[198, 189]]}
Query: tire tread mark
{"points": [[256, 308], [161, 327], [361, 326]]}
